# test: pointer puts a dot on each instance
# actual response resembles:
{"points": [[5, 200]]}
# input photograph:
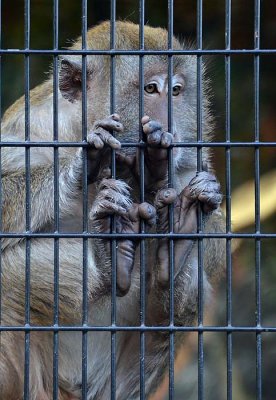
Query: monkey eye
{"points": [[151, 88], [176, 90]]}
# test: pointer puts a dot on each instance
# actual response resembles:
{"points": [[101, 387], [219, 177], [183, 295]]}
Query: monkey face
{"points": [[141, 87]]}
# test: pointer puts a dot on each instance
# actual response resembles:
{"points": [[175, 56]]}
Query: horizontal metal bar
{"points": [[55, 52], [115, 328], [142, 144], [47, 235]]}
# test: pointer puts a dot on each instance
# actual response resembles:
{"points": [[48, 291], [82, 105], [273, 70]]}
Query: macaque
{"points": [[114, 199]]}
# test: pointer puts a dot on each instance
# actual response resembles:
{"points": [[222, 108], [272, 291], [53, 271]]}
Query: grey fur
{"points": [[71, 250]]}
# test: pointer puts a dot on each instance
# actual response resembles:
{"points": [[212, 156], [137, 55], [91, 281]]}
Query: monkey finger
{"points": [[166, 139], [165, 197], [151, 126], [148, 213], [111, 123], [94, 140], [107, 138], [115, 116], [210, 200], [154, 138], [145, 119], [104, 209]]}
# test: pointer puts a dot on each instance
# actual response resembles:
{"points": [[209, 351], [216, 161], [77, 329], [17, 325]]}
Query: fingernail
{"points": [[167, 193]]}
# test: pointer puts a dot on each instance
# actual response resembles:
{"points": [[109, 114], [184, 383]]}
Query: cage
{"points": [[233, 343]]}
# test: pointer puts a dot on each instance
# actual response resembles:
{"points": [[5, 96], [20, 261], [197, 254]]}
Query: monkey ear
{"points": [[70, 80]]}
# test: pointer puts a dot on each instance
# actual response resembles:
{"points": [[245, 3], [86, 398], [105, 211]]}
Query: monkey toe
{"points": [[112, 199], [205, 188], [116, 185]]}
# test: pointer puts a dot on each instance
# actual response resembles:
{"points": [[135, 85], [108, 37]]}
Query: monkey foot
{"points": [[113, 199], [203, 189]]}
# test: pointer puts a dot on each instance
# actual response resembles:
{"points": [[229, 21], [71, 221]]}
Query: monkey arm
{"points": [[41, 194]]}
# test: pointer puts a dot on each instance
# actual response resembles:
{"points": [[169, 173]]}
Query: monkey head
{"points": [[155, 89]]}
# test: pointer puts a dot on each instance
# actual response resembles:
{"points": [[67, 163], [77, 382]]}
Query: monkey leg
{"points": [[113, 200], [203, 189]]}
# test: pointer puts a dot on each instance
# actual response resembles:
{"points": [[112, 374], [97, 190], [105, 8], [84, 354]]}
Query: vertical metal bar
{"points": [[28, 199], [142, 199], [170, 182], [85, 202], [228, 192], [200, 225], [113, 222], [1, 203], [257, 200], [56, 202]]}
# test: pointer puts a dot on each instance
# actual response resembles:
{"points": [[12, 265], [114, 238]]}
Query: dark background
{"points": [[242, 159]]}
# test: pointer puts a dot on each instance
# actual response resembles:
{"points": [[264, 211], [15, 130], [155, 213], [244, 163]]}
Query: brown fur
{"points": [[71, 250]]}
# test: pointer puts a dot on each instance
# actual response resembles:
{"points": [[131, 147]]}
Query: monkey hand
{"points": [[203, 189], [99, 140], [156, 155], [113, 199]]}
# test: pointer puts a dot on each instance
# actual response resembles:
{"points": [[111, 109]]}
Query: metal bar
{"points": [[226, 144], [28, 198], [200, 224], [257, 199], [80, 328], [171, 208], [1, 199], [143, 274], [113, 52], [56, 201], [84, 206], [228, 193], [139, 236], [113, 220]]}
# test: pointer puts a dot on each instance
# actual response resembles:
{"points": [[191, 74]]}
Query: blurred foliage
{"points": [[242, 159]]}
